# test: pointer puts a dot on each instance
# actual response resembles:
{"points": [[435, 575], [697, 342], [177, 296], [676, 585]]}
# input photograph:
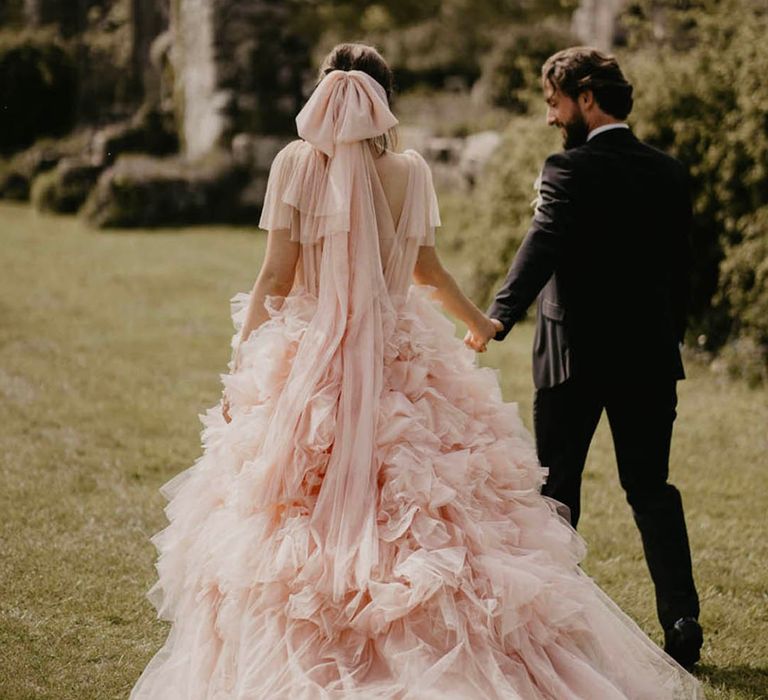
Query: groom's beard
{"points": [[574, 133]]}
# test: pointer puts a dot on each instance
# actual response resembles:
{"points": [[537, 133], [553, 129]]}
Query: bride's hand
{"points": [[477, 337]]}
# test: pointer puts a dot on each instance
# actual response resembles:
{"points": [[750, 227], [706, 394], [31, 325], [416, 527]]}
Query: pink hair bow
{"points": [[346, 107]]}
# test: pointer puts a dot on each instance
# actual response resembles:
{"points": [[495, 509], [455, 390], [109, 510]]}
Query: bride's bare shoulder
{"points": [[406, 156], [400, 162]]}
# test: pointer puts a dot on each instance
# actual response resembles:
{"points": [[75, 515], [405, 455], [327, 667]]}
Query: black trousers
{"points": [[640, 414]]}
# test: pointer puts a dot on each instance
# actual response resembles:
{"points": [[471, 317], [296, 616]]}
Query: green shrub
{"points": [[488, 229], [12, 13], [38, 89], [435, 43], [141, 190], [107, 86], [701, 96], [512, 69], [745, 359], [744, 277], [707, 104], [147, 131], [66, 187], [18, 172], [43, 191]]}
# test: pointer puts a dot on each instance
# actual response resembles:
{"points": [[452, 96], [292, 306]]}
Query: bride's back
{"points": [[393, 169]]}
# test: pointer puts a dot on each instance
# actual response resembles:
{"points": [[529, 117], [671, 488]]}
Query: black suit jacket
{"points": [[607, 255]]}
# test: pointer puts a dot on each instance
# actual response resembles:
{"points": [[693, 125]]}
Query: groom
{"points": [[607, 257]]}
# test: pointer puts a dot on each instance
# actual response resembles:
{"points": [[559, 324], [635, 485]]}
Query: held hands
{"points": [[477, 336]]}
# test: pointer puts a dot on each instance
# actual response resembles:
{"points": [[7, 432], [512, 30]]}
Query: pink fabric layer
{"points": [[370, 523]]}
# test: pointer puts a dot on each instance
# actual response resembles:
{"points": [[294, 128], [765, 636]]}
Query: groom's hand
{"points": [[478, 336]]}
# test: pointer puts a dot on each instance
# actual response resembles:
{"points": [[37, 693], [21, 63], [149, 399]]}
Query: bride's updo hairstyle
{"points": [[367, 59]]}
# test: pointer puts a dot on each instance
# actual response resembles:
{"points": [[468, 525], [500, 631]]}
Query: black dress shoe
{"points": [[683, 641]]}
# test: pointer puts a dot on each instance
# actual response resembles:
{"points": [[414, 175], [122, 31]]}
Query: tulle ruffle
{"points": [[475, 592]]}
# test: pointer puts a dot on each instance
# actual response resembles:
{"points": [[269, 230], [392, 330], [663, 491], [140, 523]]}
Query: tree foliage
{"points": [[512, 68], [487, 230], [699, 70], [703, 97], [432, 42], [38, 89]]}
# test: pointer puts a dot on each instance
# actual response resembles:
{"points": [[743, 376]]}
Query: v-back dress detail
{"points": [[369, 524]]}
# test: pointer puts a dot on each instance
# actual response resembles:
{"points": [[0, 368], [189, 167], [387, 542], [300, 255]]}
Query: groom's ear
{"points": [[586, 99]]}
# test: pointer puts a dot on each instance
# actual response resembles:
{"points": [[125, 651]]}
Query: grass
{"points": [[111, 344]]}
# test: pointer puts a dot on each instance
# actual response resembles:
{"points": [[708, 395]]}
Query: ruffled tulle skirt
{"points": [[476, 592]]}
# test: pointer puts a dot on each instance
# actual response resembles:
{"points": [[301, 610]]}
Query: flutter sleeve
{"points": [[280, 210], [422, 213]]}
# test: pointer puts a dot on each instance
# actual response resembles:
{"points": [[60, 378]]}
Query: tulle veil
{"points": [[333, 202]]}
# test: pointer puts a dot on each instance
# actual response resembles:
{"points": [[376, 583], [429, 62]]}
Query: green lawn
{"points": [[111, 344]]}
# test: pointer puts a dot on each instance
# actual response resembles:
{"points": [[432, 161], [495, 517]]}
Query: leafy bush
{"points": [[38, 89], [18, 172], [435, 43], [147, 131], [12, 13], [141, 190], [512, 69], [109, 87], [701, 95], [66, 187], [744, 277], [489, 228], [707, 104]]}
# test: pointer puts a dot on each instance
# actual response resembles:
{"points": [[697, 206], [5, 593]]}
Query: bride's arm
{"points": [[430, 271], [275, 278]]}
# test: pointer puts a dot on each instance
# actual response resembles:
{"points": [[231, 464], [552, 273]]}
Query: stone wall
{"points": [[223, 79], [222, 66]]}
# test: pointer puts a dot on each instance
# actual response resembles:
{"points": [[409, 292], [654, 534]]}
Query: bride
{"points": [[366, 520]]}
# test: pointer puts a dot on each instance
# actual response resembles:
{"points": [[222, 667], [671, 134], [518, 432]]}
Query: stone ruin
{"points": [[212, 88], [215, 86]]}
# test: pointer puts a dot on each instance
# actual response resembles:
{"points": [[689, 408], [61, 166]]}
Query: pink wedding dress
{"points": [[369, 525]]}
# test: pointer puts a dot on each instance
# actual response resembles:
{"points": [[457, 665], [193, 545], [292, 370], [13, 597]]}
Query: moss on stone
{"points": [[65, 188], [18, 171], [145, 191]]}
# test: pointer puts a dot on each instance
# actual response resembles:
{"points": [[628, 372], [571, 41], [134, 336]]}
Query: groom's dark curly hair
{"points": [[580, 68]]}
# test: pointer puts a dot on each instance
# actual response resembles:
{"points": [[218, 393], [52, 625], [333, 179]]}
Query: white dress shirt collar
{"points": [[606, 127]]}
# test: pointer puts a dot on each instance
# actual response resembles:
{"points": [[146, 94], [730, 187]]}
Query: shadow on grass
{"points": [[745, 679]]}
